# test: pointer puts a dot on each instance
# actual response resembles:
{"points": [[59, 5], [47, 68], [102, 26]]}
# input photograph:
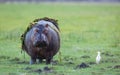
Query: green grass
{"points": [[85, 29]]}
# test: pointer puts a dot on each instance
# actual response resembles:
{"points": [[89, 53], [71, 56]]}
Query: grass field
{"points": [[85, 29]]}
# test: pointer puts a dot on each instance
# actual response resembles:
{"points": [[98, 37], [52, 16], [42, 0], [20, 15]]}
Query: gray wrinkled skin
{"points": [[40, 45]]}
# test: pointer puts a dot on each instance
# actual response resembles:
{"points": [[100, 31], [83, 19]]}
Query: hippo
{"points": [[41, 41]]}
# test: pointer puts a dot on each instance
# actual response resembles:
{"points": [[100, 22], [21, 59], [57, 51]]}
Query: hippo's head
{"points": [[39, 37]]}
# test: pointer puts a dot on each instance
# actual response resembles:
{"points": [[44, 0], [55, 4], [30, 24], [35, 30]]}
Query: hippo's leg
{"points": [[48, 60], [32, 61], [40, 60]]}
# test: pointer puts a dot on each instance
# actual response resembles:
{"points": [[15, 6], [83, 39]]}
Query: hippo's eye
{"points": [[45, 31], [36, 30]]}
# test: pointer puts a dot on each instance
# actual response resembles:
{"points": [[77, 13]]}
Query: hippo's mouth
{"points": [[41, 45]]}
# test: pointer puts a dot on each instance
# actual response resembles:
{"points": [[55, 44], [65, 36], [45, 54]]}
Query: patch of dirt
{"points": [[82, 65], [45, 69], [116, 67], [112, 60], [28, 68], [37, 71], [104, 61], [68, 58], [15, 59], [4, 57], [22, 62], [91, 63], [109, 67], [85, 56], [70, 62], [107, 54]]}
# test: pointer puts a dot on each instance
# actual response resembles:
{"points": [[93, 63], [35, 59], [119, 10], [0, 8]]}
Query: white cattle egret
{"points": [[98, 57]]}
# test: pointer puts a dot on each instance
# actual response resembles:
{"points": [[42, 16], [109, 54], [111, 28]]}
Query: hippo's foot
{"points": [[32, 61], [48, 60]]}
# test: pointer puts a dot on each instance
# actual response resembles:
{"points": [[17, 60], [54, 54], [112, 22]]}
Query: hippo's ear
{"points": [[46, 25], [46, 29]]}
